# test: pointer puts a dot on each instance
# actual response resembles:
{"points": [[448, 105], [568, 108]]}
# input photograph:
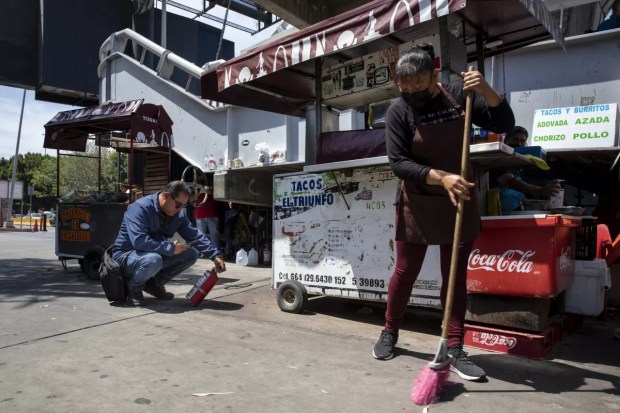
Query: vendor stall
{"points": [[334, 222], [87, 225]]}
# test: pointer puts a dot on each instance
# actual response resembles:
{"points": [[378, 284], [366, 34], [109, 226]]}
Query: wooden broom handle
{"points": [[459, 219]]}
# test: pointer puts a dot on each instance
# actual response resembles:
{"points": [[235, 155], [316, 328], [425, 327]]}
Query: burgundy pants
{"points": [[409, 258]]}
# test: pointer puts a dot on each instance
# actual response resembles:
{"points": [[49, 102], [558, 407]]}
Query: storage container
{"points": [[586, 239], [241, 257], [586, 295], [253, 257], [523, 255]]}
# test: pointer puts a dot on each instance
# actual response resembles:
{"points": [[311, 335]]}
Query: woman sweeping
{"points": [[424, 139]]}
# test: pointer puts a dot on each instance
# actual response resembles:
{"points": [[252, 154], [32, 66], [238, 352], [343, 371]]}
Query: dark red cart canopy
{"points": [[149, 124]]}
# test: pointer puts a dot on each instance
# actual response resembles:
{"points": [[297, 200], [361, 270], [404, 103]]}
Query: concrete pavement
{"points": [[64, 348]]}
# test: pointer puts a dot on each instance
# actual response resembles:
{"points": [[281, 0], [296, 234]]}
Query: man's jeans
{"points": [[140, 266], [211, 228]]}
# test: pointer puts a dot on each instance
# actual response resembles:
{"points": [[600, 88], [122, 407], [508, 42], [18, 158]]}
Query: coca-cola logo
{"points": [[489, 339], [509, 261]]}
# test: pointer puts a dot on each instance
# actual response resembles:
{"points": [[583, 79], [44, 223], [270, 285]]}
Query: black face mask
{"points": [[417, 100]]}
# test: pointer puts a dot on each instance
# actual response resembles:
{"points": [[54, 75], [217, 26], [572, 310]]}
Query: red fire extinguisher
{"points": [[266, 254], [202, 287]]}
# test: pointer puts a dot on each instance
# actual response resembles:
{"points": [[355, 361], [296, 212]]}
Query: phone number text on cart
{"points": [[329, 279]]}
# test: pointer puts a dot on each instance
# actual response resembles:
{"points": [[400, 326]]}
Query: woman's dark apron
{"points": [[425, 214]]}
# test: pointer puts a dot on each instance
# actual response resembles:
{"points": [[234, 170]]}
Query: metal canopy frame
{"points": [[263, 17], [291, 89]]}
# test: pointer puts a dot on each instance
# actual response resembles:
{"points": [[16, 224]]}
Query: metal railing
{"points": [[167, 63]]}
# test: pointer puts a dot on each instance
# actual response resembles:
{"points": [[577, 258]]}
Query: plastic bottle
{"points": [[242, 257], [253, 257], [266, 254], [212, 163], [557, 200]]}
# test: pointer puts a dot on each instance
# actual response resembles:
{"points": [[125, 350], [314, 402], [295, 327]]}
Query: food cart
{"points": [[333, 223], [87, 225]]}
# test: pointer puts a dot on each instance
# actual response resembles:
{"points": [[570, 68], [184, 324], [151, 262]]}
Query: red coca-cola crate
{"points": [[523, 255], [530, 345], [533, 346]]}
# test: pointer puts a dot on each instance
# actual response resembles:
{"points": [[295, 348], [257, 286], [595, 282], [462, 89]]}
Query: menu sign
{"points": [[592, 126]]}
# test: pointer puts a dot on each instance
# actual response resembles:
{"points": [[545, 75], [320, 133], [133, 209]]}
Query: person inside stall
{"points": [[614, 20], [513, 190], [424, 140], [207, 217]]}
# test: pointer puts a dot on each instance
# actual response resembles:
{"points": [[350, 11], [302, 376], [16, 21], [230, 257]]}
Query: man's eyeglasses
{"points": [[177, 204]]}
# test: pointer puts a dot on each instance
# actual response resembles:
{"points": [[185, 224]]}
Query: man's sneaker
{"points": [[135, 298], [462, 365], [384, 349], [157, 291]]}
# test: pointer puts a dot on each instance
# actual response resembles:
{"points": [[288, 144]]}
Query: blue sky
{"points": [[37, 113]]}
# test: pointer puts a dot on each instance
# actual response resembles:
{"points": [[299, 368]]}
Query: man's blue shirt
{"points": [[612, 23], [146, 228]]}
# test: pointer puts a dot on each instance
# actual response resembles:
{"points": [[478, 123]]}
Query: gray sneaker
{"points": [[462, 365], [384, 349]]}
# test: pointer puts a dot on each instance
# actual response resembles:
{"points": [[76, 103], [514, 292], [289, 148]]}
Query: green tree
{"points": [[80, 172], [44, 177], [110, 169]]}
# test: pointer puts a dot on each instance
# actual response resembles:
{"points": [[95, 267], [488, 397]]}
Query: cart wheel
{"points": [[91, 262], [292, 297]]}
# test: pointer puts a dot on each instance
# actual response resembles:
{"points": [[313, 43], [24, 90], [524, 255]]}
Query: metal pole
{"points": [[118, 171], [163, 24], [98, 139], [219, 46], [480, 52], [9, 221], [444, 41], [57, 173], [130, 172], [318, 91]]}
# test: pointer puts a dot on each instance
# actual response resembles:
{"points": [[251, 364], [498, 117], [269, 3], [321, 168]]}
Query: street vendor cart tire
{"points": [[292, 297], [91, 262]]}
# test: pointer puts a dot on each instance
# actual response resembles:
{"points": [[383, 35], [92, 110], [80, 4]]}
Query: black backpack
{"points": [[112, 279]]}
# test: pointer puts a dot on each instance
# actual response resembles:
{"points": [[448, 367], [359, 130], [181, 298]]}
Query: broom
{"points": [[433, 377]]}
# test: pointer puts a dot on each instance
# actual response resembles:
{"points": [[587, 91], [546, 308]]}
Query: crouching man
{"points": [[143, 250]]}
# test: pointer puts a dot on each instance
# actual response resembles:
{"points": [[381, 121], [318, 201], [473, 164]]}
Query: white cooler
{"points": [[586, 295]]}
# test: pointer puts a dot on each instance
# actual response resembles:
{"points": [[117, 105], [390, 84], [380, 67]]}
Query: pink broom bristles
{"points": [[429, 384]]}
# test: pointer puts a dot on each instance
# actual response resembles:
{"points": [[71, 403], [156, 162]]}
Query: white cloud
{"points": [[38, 113]]}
